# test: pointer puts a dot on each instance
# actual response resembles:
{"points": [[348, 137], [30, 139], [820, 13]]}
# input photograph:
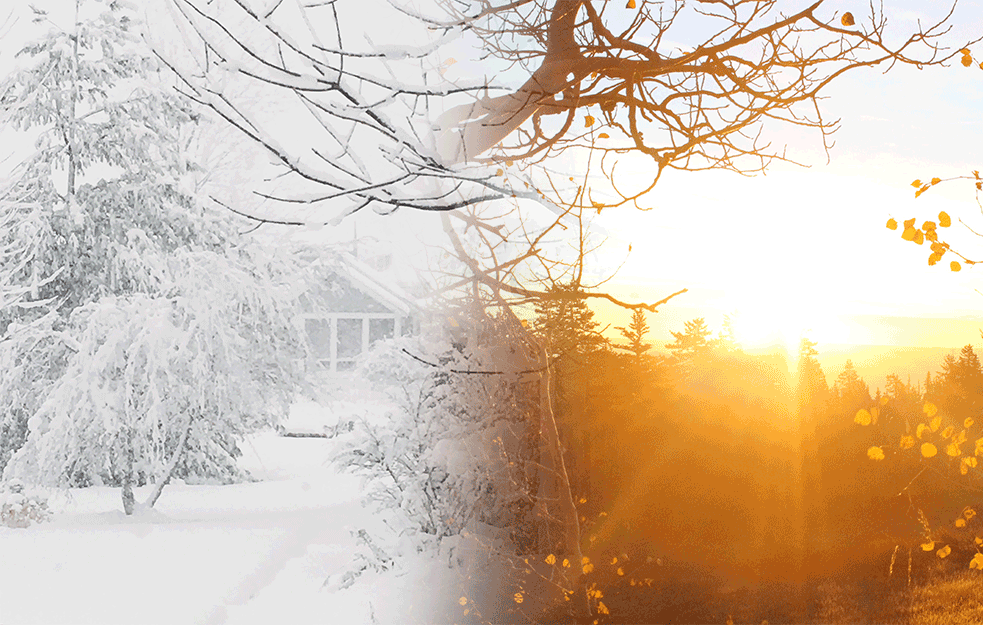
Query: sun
{"points": [[762, 328], [782, 322]]}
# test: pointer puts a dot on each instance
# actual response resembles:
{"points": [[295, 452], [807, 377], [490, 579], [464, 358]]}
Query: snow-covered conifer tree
{"points": [[140, 340]]}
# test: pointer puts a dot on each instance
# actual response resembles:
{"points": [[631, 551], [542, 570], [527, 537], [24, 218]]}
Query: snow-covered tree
{"points": [[110, 166], [141, 340], [166, 385]]}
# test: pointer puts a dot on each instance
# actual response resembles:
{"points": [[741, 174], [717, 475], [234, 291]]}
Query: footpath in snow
{"points": [[248, 553]]}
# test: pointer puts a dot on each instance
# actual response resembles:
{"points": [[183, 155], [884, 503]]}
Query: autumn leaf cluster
{"points": [[928, 231]]}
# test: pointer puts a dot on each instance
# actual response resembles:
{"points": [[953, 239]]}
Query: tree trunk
{"points": [[562, 494], [72, 156], [128, 498], [169, 471]]}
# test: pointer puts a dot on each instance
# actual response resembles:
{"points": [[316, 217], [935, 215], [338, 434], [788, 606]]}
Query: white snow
{"points": [[258, 552]]}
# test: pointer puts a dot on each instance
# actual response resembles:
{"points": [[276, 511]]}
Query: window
{"points": [[381, 329], [338, 340], [319, 335]]}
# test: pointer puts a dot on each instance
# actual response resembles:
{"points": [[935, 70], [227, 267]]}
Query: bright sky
{"points": [[807, 249]]}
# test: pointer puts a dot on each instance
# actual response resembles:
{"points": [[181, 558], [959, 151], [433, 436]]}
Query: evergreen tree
{"points": [[727, 339], [850, 391], [565, 323], [635, 333], [692, 342], [144, 346]]}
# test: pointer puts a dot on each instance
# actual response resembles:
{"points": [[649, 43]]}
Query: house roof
{"points": [[376, 285], [367, 289]]}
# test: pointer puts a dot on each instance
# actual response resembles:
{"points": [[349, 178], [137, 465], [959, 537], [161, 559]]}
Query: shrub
{"points": [[19, 508]]}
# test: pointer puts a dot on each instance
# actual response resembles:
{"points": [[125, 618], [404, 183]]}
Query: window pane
{"points": [[319, 335], [380, 329], [349, 338]]}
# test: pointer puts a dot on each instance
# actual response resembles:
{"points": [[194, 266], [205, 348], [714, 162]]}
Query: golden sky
{"points": [[800, 248]]}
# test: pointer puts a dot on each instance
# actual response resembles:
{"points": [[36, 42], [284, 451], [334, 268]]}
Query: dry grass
{"points": [[955, 599]]}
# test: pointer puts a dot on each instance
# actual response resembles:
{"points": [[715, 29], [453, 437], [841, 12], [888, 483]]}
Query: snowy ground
{"points": [[241, 554]]}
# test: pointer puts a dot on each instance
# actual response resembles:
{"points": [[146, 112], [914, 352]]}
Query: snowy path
{"points": [[215, 555]]}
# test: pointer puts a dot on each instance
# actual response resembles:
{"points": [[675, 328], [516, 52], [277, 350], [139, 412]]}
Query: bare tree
{"points": [[690, 85]]}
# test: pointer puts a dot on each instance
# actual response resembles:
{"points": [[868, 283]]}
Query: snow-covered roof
{"points": [[376, 285]]}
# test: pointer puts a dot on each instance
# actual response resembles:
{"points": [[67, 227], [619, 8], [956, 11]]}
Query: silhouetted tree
{"points": [[693, 341], [635, 333]]}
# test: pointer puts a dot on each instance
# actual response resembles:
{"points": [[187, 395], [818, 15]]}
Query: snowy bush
{"points": [[449, 456], [19, 508]]}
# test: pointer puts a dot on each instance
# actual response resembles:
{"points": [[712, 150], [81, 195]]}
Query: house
{"points": [[354, 306]]}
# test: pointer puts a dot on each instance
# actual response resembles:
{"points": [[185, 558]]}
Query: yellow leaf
{"points": [[614, 561], [907, 442], [932, 235], [631, 4], [944, 220], [566, 563], [589, 120], [551, 559], [967, 60], [971, 463], [604, 135], [935, 423], [936, 180], [960, 522], [944, 551], [463, 601], [963, 467], [875, 453], [908, 234], [588, 568], [892, 224], [968, 423], [584, 560], [921, 429], [916, 184], [621, 571], [922, 190], [862, 418], [955, 266], [930, 545], [934, 258], [847, 19], [977, 562], [517, 597], [601, 608], [499, 172], [949, 431], [919, 237], [928, 225], [929, 450]]}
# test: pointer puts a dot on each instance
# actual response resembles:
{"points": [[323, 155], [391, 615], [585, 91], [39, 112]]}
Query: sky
{"points": [[807, 249], [803, 249]]}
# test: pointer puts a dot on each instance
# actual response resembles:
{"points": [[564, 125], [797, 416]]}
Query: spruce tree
{"points": [[635, 333], [692, 342], [145, 344]]}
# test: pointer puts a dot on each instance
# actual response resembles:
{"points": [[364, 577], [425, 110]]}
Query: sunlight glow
{"points": [[782, 320]]}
